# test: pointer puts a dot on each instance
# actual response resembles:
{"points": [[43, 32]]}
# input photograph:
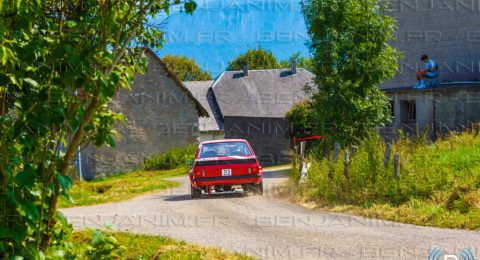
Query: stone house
{"points": [[448, 32], [439, 110], [160, 113], [253, 104], [211, 128]]}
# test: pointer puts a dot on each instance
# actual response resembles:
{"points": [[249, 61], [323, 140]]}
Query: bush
{"points": [[173, 158]]}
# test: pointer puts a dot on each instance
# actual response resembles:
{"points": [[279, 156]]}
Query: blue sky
{"points": [[219, 30]]}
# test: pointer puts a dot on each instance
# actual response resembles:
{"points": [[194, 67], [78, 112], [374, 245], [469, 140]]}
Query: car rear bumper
{"points": [[227, 180]]}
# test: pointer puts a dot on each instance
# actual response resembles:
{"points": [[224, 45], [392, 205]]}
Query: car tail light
{"points": [[254, 169], [200, 173]]}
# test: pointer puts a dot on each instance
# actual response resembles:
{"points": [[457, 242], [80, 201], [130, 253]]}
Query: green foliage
{"points": [[438, 182], [256, 59], [137, 246], [60, 65], [186, 69], [103, 246], [96, 244], [300, 117], [302, 62], [351, 57], [173, 158]]}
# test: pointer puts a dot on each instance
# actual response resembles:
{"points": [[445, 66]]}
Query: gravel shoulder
{"points": [[269, 227]]}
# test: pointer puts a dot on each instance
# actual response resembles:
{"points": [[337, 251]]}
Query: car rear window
{"points": [[224, 149]]}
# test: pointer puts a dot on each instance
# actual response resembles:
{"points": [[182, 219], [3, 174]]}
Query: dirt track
{"points": [[270, 228]]}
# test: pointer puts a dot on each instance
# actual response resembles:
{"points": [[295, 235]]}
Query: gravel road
{"points": [[268, 227]]}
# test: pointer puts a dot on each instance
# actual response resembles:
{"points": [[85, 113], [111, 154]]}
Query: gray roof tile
{"points": [[202, 91], [263, 93]]}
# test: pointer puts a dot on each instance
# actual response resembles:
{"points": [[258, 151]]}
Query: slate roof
{"points": [[202, 91], [202, 112], [263, 93]]}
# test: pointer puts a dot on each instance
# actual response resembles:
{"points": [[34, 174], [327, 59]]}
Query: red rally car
{"points": [[222, 164]]}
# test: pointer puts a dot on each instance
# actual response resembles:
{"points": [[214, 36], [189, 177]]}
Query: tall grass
{"points": [[173, 158], [437, 181]]}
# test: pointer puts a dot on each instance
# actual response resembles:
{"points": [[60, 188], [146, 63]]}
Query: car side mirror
{"points": [[190, 162]]}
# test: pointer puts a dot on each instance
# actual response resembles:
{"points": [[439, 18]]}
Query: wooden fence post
{"points": [[301, 156], [336, 151], [386, 157], [396, 165], [302, 150], [476, 127], [346, 170], [353, 150]]}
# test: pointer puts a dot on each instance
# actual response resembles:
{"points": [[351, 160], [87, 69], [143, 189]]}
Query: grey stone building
{"points": [[211, 128], [438, 110], [253, 105], [449, 32], [160, 113]]}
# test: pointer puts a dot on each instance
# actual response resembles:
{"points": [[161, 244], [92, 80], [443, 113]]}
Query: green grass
{"points": [[438, 184], [136, 246], [120, 187]]}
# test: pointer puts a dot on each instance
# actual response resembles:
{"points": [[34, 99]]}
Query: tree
{"points": [[300, 117], [61, 63], [186, 69], [351, 57], [256, 59], [302, 62]]}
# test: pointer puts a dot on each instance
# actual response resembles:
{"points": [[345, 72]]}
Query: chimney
{"points": [[245, 70], [293, 66]]}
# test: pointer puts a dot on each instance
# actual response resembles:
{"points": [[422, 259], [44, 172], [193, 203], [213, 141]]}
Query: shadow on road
{"points": [[226, 195]]}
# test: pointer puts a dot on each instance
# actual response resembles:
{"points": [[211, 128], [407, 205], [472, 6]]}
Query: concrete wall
{"points": [[266, 135], [446, 30], [211, 135], [443, 109], [456, 109], [158, 114]]}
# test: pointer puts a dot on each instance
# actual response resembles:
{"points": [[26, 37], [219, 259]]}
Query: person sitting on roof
{"points": [[429, 70]]}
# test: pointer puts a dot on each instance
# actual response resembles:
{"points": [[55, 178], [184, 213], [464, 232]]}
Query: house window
{"points": [[392, 108], [409, 111]]}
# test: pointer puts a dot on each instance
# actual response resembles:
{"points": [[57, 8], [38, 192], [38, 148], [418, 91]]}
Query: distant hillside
{"points": [[219, 30]]}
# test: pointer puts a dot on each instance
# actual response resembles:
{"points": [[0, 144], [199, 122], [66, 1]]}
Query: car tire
{"points": [[218, 189], [195, 193]]}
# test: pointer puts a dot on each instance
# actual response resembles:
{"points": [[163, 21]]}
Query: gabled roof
{"points": [[202, 91], [202, 112], [263, 93]]}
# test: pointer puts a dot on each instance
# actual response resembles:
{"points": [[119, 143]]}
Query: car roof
{"points": [[224, 141]]}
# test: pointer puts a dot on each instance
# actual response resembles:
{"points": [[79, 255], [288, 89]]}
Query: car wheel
{"points": [[245, 187], [218, 189], [195, 193]]}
